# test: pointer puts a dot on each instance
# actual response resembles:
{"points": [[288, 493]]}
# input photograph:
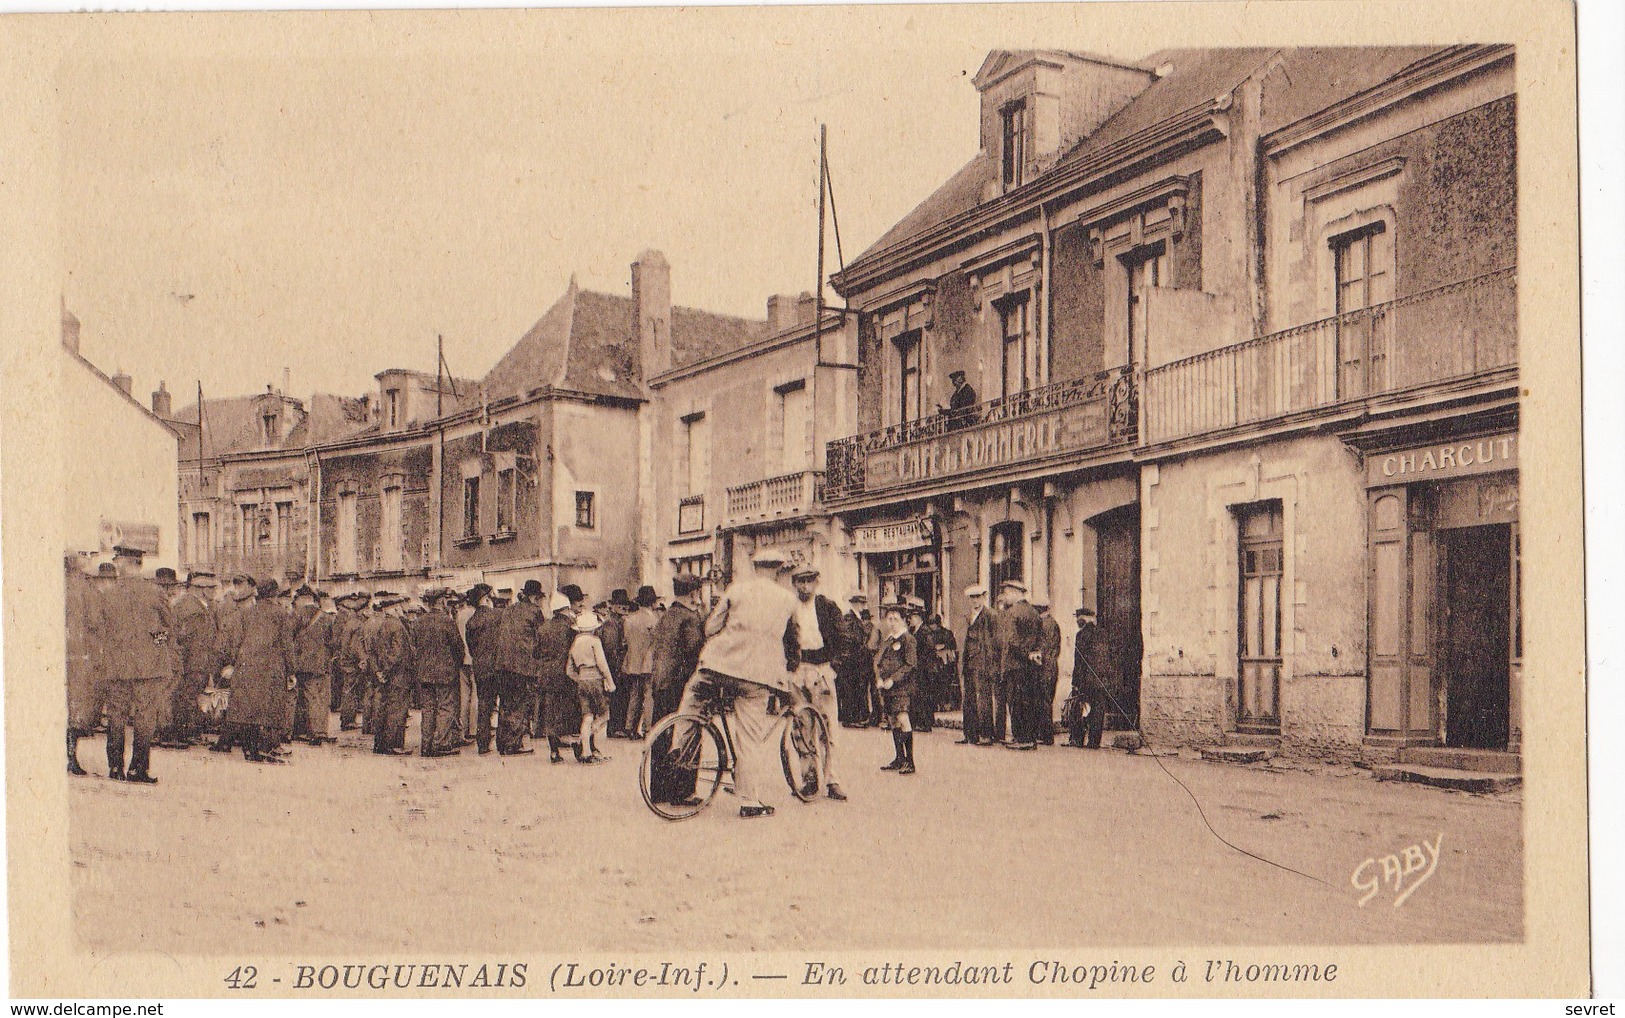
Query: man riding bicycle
{"points": [[819, 633], [752, 649]]}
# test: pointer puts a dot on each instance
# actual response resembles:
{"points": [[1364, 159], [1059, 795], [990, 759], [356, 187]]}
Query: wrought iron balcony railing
{"points": [[1064, 417], [1451, 332], [775, 498]]}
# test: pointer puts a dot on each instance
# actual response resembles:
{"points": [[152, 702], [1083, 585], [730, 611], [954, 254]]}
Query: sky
{"points": [[244, 194]]}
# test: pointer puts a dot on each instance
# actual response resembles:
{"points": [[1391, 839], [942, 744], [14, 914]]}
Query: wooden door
{"points": [[1117, 607]]}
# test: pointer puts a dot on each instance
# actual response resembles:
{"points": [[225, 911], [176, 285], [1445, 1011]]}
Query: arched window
{"points": [[1007, 558]]}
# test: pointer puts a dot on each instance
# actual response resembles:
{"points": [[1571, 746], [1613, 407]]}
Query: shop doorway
{"points": [[1117, 608], [1475, 641], [906, 574]]}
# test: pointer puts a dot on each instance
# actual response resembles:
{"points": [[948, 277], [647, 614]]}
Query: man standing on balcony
{"points": [[962, 404]]}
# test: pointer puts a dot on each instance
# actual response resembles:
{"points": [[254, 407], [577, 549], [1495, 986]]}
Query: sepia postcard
{"points": [[1031, 500]]}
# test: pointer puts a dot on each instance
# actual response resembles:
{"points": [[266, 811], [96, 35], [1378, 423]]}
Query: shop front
{"points": [[900, 559], [1445, 629]]}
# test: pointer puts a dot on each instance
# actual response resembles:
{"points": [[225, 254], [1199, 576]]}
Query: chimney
{"points": [[160, 401], [806, 308], [285, 386], [70, 328], [123, 381], [783, 313], [651, 303]]}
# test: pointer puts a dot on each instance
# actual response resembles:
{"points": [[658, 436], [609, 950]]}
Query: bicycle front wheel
{"points": [[683, 766], [804, 751]]}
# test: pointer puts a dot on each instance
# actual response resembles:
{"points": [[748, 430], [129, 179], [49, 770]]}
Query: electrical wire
{"points": [[1146, 741]]}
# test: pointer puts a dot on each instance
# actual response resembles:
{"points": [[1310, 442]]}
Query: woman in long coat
{"points": [[258, 645]]}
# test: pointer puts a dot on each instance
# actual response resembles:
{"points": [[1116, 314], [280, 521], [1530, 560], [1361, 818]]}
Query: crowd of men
{"points": [[256, 665]]}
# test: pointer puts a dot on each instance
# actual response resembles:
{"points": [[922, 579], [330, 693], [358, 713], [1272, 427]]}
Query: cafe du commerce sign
{"points": [[1461, 457], [1037, 437]]}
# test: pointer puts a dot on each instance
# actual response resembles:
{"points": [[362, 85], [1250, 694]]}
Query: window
{"points": [[202, 541], [1364, 266], [471, 507], [1007, 560], [909, 354], [697, 565], [1013, 123], [795, 426], [392, 408], [507, 500], [586, 511], [245, 541], [1014, 326], [696, 448], [346, 534], [389, 530], [1259, 617], [268, 429], [1147, 270], [284, 527]]}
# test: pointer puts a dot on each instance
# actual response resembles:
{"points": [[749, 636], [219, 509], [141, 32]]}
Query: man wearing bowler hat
{"points": [[638, 662], [612, 637], [480, 636], [518, 669], [1085, 714], [136, 629]]}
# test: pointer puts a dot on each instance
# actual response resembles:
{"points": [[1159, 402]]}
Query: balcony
{"points": [[777, 498], [1027, 428], [1440, 337]]}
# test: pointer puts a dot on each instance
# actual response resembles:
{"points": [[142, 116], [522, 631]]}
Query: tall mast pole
{"points": [[818, 313], [439, 380]]}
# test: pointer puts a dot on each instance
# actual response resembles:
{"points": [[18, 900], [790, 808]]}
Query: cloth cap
{"points": [[804, 573], [201, 580], [857, 599], [976, 590], [1013, 585]]}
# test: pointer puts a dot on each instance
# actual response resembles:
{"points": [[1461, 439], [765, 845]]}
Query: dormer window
{"points": [[1015, 134], [268, 429]]}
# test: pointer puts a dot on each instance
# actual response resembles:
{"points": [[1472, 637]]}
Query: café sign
{"points": [[1462, 457], [915, 533], [1035, 437]]}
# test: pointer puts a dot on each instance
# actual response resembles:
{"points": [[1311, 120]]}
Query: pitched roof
{"points": [[1319, 77], [587, 342], [231, 423]]}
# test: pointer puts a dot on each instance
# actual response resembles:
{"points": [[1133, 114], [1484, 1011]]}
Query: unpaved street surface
{"points": [[343, 850]]}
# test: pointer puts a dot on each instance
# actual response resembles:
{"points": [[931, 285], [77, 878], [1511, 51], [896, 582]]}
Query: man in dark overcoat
{"points": [[85, 685], [312, 665], [1049, 676], [855, 666], [979, 663], [1021, 653], [1085, 714], [197, 634], [560, 709], [437, 649], [518, 668], [612, 635], [389, 660], [678, 637], [480, 636], [257, 648], [347, 657], [135, 633]]}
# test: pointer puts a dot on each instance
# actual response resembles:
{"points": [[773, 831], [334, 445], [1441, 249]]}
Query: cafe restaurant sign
{"points": [[1440, 461], [915, 533], [1036, 437]]}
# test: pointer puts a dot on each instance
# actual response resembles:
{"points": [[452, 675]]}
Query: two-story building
{"points": [[1331, 497], [1224, 313], [737, 449]]}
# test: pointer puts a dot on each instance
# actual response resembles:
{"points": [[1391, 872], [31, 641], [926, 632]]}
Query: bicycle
{"points": [[708, 753]]}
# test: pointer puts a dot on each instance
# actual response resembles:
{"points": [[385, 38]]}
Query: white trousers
{"points": [[815, 685]]}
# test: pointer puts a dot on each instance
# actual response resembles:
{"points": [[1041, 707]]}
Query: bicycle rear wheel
{"points": [[804, 751], [682, 767]]}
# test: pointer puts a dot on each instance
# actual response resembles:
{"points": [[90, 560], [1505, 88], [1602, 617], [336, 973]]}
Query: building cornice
{"points": [[799, 334], [1161, 142], [1428, 73]]}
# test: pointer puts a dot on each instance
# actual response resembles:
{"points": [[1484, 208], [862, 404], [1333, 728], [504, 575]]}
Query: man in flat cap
{"points": [[349, 656], [389, 660], [1085, 713], [637, 665], [820, 639], [752, 649], [961, 408], [1049, 676], [979, 662], [678, 637], [1021, 653], [313, 666], [437, 650], [855, 666], [136, 631], [197, 635]]}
